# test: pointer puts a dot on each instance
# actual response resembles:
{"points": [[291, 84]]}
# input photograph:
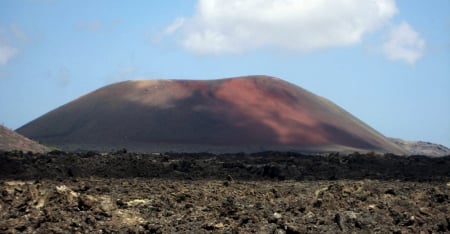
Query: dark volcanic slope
{"points": [[10, 140], [238, 114]]}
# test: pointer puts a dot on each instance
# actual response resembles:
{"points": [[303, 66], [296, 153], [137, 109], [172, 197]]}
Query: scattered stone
{"points": [[277, 215], [290, 229], [218, 225], [276, 193], [106, 205], [70, 196], [127, 217], [351, 215], [339, 221], [121, 204], [317, 203], [310, 218], [279, 231], [137, 202], [86, 202], [410, 221], [208, 226], [390, 191]]}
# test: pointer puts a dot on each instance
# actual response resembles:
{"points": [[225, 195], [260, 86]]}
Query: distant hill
{"points": [[242, 114], [10, 140], [422, 148]]}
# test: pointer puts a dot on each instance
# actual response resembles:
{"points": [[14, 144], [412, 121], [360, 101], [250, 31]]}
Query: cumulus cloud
{"points": [[174, 26], [10, 33], [404, 43], [7, 52], [234, 26]]}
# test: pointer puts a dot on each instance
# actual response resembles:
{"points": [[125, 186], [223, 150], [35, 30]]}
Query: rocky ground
{"points": [[202, 193]]}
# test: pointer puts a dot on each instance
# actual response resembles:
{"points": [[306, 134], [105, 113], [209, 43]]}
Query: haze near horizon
{"points": [[387, 62]]}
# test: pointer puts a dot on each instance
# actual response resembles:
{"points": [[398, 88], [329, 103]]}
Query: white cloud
{"points": [[174, 26], [7, 52], [404, 43], [11, 33], [234, 26]]}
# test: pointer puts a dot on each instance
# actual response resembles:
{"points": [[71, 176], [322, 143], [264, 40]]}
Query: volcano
{"points": [[242, 114]]}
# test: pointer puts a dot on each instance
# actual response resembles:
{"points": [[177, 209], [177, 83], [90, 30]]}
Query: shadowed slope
{"points": [[10, 140], [237, 114]]}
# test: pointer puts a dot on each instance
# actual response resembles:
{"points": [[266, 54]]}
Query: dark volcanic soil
{"points": [[201, 193]]}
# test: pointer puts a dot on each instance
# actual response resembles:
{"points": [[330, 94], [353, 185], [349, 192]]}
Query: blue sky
{"points": [[387, 62]]}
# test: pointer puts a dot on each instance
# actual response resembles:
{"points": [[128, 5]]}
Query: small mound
{"points": [[422, 148], [10, 140]]}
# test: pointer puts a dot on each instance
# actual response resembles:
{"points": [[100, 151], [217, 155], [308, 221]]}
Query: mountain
{"points": [[253, 113], [10, 140], [422, 148]]}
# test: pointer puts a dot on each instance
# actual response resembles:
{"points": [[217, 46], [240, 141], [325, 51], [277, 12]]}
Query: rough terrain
{"points": [[202, 193]]}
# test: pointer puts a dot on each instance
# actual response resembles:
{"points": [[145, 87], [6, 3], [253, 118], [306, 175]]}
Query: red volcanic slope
{"points": [[251, 113]]}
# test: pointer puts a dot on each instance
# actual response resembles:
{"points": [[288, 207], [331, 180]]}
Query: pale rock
{"points": [[277, 215]]}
